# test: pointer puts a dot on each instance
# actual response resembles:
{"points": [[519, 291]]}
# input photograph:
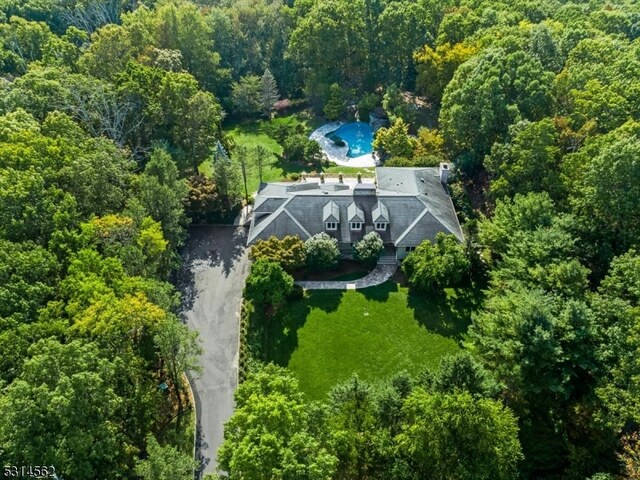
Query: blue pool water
{"points": [[358, 135]]}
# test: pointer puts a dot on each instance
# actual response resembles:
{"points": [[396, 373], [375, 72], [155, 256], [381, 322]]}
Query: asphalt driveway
{"points": [[215, 266]]}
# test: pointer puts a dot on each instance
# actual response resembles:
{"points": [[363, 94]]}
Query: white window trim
{"points": [[381, 226], [331, 226], [355, 225]]}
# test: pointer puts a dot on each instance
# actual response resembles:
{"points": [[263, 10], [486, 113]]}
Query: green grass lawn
{"points": [[376, 332], [254, 133]]}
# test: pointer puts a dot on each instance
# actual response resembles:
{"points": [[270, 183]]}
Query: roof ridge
{"points": [[290, 215], [438, 218], [412, 226]]}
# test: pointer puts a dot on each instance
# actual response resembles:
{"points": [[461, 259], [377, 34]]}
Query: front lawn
{"points": [[255, 133], [376, 332]]}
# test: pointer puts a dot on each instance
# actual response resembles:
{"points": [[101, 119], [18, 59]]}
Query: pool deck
{"points": [[338, 154]]}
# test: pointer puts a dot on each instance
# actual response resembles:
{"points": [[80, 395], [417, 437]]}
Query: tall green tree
{"points": [[486, 95], [269, 92], [247, 95], [536, 344], [335, 105], [179, 348], [165, 463], [274, 432], [70, 394], [527, 162], [440, 264], [402, 28], [329, 45], [162, 194], [440, 430], [361, 444], [268, 284]]}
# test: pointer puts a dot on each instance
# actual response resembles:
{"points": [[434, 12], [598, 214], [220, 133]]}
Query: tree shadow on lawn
{"points": [[289, 167], [379, 293], [446, 315], [254, 127], [282, 338], [325, 300]]}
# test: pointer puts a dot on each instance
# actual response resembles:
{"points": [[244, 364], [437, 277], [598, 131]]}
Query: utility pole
{"points": [[242, 157], [260, 154]]}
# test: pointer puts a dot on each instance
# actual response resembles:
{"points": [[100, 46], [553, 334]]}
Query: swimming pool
{"points": [[358, 135]]}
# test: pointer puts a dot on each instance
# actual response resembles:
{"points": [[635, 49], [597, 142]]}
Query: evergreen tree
{"points": [[226, 176], [270, 93], [335, 104]]}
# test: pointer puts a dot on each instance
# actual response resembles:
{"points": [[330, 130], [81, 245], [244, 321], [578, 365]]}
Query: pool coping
{"points": [[338, 154]]}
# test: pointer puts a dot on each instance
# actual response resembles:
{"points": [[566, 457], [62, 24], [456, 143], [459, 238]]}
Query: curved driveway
{"points": [[215, 267]]}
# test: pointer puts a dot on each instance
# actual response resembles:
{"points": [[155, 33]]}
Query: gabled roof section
{"points": [[267, 205], [331, 212], [279, 224], [355, 213], [380, 213]]}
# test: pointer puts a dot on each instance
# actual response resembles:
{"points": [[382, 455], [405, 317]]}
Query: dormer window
{"points": [[381, 226], [331, 225], [380, 216], [356, 217]]}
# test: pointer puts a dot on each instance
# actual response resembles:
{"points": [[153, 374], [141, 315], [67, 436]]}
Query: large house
{"points": [[404, 205]]}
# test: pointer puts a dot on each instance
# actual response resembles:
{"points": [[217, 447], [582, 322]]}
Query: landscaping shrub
{"points": [[322, 252], [288, 251], [367, 251]]}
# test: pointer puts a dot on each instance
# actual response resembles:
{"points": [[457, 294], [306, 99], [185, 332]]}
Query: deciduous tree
{"points": [[431, 266], [274, 432], [441, 429]]}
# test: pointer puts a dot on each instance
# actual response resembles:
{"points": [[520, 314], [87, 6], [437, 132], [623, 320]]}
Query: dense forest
{"points": [[109, 108]]}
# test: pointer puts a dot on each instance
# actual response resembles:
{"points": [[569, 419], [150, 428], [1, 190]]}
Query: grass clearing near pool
{"points": [[256, 133], [375, 332]]}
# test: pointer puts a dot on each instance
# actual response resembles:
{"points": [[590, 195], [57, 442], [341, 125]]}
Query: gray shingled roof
{"points": [[416, 204]]}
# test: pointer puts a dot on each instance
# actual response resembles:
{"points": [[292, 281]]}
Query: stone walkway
{"points": [[378, 275]]}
